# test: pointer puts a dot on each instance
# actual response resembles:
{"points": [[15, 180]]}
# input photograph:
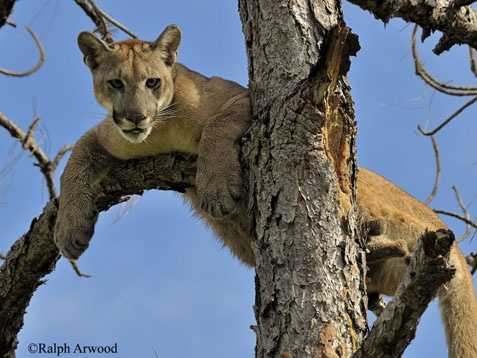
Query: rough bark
{"points": [[429, 269], [34, 255], [458, 24], [309, 265]]}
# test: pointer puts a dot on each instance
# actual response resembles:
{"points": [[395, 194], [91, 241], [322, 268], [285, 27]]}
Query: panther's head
{"points": [[133, 79]]}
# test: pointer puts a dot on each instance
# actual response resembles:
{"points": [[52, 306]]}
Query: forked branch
{"points": [[29, 143], [100, 19]]}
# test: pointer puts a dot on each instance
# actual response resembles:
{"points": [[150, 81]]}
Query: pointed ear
{"points": [[92, 48], [167, 43]]}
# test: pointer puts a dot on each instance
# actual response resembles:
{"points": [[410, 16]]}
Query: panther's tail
{"points": [[458, 305]]}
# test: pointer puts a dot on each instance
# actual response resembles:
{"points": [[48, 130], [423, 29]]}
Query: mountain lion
{"points": [[157, 106]]}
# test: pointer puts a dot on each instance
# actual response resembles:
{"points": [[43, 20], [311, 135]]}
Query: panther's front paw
{"points": [[72, 241], [220, 195]]}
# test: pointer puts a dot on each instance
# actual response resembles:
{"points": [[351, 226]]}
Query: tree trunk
{"points": [[310, 296]]}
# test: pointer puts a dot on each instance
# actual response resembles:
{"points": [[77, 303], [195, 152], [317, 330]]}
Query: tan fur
{"points": [[205, 116]]}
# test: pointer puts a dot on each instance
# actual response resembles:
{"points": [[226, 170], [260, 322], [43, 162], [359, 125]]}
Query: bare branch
{"points": [[29, 143], [115, 22], [34, 255], [18, 133], [92, 11], [456, 216], [61, 153], [459, 26], [99, 16], [437, 179], [27, 140], [462, 206], [428, 270], [41, 59], [431, 81], [448, 119], [77, 270], [473, 64]]}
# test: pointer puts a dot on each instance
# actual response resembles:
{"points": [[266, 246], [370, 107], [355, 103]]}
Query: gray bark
{"points": [[428, 270], [458, 24], [300, 154], [34, 255]]}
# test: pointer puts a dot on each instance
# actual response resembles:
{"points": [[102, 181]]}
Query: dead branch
{"points": [[428, 270], [448, 119], [29, 143], [459, 25], [437, 179], [61, 153], [98, 16], [462, 207], [115, 22], [431, 80], [456, 216], [77, 270], [34, 255], [91, 10], [473, 64], [27, 140], [40, 62]]}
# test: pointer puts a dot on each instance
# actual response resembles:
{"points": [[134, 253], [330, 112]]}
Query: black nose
{"points": [[135, 117]]}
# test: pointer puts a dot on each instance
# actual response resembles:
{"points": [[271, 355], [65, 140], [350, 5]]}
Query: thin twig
{"points": [[41, 59], [61, 153], [462, 207], [444, 44], [473, 62], [77, 270], [114, 22], [29, 143], [431, 81], [29, 133], [456, 216], [448, 119], [437, 179], [92, 11], [19, 134], [99, 16]]}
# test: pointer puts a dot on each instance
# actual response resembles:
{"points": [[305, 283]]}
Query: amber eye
{"points": [[116, 84], [153, 83]]}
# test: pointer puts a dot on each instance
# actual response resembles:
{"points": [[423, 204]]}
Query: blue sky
{"points": [[160, 280]]}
